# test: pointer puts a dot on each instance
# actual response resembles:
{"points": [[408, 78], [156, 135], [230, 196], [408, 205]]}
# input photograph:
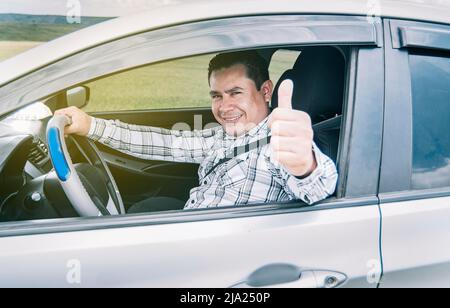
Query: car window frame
{"points": [[397, 159], [353, 137]]}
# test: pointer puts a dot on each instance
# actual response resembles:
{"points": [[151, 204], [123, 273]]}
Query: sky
{"points": [[88, 7]]}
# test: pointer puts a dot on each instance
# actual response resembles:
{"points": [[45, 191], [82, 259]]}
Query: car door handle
{"points": [[290, 276]]}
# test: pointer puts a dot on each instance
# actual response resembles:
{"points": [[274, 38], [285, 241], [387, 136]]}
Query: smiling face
{"points": [[236, 102]]}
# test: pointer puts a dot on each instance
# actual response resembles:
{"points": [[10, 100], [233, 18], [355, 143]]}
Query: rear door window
{"points": [[430, 73]]}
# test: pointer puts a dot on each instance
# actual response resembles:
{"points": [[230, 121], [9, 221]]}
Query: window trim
{"points": [[64, 225], [407, 34], [396, 164], [397, 161], [414, 195], [363, 124]]}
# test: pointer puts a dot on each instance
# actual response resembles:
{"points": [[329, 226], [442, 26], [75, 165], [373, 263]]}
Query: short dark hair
{"points": [[257, 67]]}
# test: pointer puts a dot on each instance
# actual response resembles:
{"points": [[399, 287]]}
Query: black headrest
{"points": [[319, 78]]}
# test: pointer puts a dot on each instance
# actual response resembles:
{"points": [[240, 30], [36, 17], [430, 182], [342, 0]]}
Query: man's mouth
{"points": [[232, 119]]}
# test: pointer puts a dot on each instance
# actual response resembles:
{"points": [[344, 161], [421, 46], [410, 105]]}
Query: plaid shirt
{"points": [[252, 177]]}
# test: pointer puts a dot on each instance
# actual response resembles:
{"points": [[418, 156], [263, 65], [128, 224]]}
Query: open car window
{"points": [[174, 84], [167, 94], [153, 96]]}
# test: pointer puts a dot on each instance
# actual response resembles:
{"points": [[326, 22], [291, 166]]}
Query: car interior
{"points": [[30, 191]]}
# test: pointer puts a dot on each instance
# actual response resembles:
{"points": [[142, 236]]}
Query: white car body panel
{"points": [[200, 10], [416, 243], [198, 254]]}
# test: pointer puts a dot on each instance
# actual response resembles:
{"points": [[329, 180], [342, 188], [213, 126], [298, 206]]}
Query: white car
{"points": [[377, 80]]}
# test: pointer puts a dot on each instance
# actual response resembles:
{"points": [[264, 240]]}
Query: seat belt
{"points": [[239, 151]]}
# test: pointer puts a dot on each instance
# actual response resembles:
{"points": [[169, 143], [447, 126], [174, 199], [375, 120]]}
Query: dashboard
{"points": [[38, 160], [15, 148], [29, 188]]}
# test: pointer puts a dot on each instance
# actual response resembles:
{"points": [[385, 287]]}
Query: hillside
{"points": [[47, 19], [39, 28]]}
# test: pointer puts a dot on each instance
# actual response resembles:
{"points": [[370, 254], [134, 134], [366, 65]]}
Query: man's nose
{"points": [[227, 104]]}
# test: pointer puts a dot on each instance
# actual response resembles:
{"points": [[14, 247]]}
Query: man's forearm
{"points": [[150, 143]]}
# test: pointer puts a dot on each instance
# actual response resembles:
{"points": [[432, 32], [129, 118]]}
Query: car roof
{"points": [[196, 10]]}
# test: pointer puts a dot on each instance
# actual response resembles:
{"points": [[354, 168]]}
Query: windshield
{"points": [[34, 112], [28, 120]]}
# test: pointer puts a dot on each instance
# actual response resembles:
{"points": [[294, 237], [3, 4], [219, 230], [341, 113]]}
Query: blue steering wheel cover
{"points": [[57, 154]]}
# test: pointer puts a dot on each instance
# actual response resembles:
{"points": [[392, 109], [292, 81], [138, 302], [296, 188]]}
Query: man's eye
{"points": [[235, 93]]}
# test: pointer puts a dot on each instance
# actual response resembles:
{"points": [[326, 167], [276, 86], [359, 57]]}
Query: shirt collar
{"points": [[260, 129]]}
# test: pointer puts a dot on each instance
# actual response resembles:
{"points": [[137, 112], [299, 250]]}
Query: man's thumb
{"points": [[285, 92]]}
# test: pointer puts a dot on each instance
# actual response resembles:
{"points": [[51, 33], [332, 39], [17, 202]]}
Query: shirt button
{"points": [[192, 201], [205, 183]]}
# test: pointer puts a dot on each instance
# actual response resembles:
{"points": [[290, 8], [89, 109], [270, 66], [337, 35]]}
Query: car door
{"points": [[415, 180], [335, 243]]}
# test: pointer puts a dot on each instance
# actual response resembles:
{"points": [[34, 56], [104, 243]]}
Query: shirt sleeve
{"points": [[152, 143], [316, 187]]}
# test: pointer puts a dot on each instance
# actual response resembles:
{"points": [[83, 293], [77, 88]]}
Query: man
{"points": [[289, 167]]}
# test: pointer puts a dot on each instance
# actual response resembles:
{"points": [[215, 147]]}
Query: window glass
{"points": [[282, 60], [431, 120], [181, 83]]}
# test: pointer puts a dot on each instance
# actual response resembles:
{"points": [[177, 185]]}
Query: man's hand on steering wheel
{"points": [[81, 121], [82, 191]]}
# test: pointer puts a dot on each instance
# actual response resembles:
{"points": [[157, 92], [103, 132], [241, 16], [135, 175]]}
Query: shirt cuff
{"points": [[97, 128]]}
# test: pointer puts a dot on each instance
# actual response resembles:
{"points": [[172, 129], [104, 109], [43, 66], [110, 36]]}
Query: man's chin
{"points": [[232, 131], [237, 129]]}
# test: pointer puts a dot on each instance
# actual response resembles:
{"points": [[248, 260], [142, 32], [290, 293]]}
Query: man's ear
{"points": [[267, 90]]}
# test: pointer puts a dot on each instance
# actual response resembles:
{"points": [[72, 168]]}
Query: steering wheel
{"points": [[76, 188]]}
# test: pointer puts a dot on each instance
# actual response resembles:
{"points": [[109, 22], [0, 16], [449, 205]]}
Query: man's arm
{"points": [[153, 143], [295, 161], [149, 143], [317, 186]]}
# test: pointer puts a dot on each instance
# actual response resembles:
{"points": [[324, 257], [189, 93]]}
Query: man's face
{"points": [[236, 102]]}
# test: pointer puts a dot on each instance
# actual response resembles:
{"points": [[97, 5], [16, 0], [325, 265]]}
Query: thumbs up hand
{"points": [[292, 135]]}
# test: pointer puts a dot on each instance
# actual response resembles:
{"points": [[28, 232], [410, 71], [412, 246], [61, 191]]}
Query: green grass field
{"points": [[9, 49], [34, 32], [40, 28], [175, 84]]}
